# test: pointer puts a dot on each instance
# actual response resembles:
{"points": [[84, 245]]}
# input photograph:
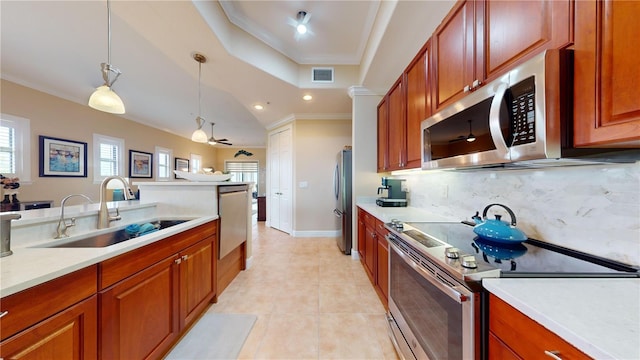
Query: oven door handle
{"points": [[450, 291]]}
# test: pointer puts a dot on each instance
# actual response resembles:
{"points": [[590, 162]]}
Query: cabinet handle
{"points": [[2, 314], [467, 88], [553, 354], [185, 257], [476, 83], [177, 261]]}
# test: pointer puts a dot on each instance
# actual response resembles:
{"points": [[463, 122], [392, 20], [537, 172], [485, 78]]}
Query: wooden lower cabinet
{"points": [[142, 315], [374, 253], [513, 335], [139, 315], [382, 264], [197, 274], [70, 334]]}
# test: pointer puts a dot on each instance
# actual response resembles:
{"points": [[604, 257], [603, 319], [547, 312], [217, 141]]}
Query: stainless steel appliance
{"points": [[342, 192], [396, 197], [233, 208], [524, 118], [437, 307]]}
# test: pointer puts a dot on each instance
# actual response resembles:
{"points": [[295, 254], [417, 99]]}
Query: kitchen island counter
{"points": [[33, 265], [599, 316]]}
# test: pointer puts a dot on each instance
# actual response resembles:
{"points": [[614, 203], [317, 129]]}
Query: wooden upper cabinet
{"points": [[480, 40], [396, 127], [517, 30], [418, 104], [383, 140], [606, 74], [454, 54]]}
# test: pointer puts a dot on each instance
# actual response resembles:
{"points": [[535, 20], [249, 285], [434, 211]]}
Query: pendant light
{"points": [[104, 98], [199, 135]]}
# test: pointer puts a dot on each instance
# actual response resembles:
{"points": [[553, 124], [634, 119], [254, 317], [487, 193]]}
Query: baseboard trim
{"points": [[317, 233]]}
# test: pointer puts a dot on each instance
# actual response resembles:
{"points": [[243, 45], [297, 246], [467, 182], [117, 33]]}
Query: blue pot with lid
{"points": [[497, 229]]}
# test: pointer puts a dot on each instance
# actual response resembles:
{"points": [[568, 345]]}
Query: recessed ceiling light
{"points": [[307, 97], [258, 107]]}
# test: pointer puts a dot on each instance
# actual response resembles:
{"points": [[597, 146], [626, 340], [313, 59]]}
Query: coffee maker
{"points": [[396, 197]]}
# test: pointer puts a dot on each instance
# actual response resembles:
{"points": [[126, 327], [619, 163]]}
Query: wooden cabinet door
{"points": [[139, 315], [383, 136], [382, 263], [606, 74], [361, 232], [517, 30], [197, 284], [418, 105], [71, 334], [454, 51], [397, 127], [370, 255]]}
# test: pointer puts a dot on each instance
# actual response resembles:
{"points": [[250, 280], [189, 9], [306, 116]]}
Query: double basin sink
{"points": [[113, 237]]}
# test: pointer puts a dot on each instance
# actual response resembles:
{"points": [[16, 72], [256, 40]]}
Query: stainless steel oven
{"points": [[437, 306], [433, 313]]}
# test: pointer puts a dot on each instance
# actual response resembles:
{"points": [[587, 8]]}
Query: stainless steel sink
{"points": [[111, 238]]}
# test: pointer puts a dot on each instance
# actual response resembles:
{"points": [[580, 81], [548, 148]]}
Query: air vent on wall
{"points": [[321, 74]]}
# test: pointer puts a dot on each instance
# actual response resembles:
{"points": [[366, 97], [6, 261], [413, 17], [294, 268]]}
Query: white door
{"points": [[280, 180]]}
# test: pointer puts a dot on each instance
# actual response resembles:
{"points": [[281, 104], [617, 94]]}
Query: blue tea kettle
{"points": [[496, 229]]}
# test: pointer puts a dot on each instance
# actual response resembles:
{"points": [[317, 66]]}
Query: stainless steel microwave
{"points": [[522, 117]]}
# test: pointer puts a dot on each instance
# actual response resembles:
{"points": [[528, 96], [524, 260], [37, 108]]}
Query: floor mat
{"points": [[214, 336]]}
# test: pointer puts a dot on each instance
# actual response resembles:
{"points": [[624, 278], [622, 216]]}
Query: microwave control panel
{"points": [[522, 112]]}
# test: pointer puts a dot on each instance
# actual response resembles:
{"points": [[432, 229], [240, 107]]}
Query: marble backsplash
{"points": [[595, 209]]}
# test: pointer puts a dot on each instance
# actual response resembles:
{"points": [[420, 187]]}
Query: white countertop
{"points": [[406, 214], [30, 265], [599, 316]]}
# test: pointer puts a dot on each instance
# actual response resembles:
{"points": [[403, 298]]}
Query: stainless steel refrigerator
{"points": [[342, 192]]}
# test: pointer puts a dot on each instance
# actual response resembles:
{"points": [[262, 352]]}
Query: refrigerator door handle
{"points": [[336, 181], [337, 213]]}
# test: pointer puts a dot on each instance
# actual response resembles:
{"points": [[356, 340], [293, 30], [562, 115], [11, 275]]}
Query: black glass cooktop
{"points": [[529, 258]]}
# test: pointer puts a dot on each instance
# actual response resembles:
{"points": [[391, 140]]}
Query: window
{"points": [[243, 171], [195, 163], [108, 157], [15, 152], [163, 161]]}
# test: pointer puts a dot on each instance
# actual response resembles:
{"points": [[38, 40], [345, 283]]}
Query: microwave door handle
{"points": [[448, 290], [494, 120]]}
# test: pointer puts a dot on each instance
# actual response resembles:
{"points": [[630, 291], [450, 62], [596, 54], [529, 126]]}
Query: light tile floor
{"points": [[312, 302]]}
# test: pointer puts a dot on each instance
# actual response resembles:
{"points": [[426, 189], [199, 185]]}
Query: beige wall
{"points": [[259, 155], [56, 117], [316, 144]]}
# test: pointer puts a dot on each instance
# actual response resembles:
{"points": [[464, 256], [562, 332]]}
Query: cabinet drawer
{"points": [[524, 336], [369, 220], [381, 230], [39, 302]]}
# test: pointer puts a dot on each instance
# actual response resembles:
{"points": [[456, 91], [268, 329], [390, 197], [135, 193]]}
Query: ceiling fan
{"points": [[213, 141]]}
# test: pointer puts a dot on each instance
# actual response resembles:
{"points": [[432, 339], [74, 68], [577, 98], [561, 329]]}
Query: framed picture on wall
{"points": [[64, 158], [140, 164], [181, 165]]}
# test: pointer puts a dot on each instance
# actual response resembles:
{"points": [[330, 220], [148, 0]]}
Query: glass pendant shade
{"points": [[199, 136], [105, 99]]}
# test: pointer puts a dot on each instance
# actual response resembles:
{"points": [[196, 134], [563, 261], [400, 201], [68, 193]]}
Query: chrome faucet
{"points": [[5, 232], [63, 225], [104, 216]]}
